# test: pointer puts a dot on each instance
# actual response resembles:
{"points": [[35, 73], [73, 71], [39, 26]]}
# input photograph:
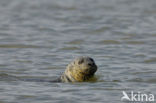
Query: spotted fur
{"points": [[80, 70]]}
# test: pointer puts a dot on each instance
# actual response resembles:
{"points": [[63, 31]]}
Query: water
{"points": [[38, 38]]}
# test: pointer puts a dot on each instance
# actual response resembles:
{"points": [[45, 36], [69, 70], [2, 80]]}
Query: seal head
{"points": [[80, 70]]}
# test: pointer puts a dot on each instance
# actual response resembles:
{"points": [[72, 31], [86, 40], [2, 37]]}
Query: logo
{"points": [[137, 97]]}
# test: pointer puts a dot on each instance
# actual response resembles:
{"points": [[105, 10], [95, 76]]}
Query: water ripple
{"points": [[151, 60], [18, 46]]}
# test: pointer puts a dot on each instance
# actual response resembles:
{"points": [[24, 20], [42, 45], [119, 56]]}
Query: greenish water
{"points": [[38, 38]]}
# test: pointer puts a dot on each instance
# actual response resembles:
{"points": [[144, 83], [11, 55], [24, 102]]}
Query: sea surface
{"points": [[38, 38]]}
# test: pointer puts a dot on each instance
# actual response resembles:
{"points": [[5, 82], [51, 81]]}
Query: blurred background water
{"points": [[38, 38]]}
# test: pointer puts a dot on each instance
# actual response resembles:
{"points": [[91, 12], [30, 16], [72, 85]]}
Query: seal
{"points": [[81, 69]]}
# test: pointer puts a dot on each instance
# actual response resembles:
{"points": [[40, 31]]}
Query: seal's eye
{"points": [[91, 59], [89, 64], [81, 61]]}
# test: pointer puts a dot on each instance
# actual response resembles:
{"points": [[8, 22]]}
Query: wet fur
{"points": [[80, 70]]}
